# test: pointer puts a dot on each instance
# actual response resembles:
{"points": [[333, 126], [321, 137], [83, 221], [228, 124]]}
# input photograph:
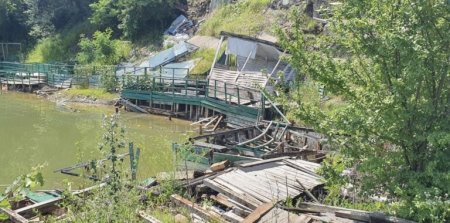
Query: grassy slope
{"points": [[100, 94], [245, 17]]}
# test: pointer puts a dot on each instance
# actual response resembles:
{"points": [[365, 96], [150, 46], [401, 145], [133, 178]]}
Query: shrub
{"points": [[102, 50]]}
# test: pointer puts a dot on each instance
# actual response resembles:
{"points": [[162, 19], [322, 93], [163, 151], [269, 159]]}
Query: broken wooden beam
{"points": [[246, 201], [148, 218], [258, 213], [194, 208], [307, 192], [216, 167], [13, 216]]}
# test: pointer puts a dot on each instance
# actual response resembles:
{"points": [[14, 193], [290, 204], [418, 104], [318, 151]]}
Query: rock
{"points": [[220, 166], [179, 218]]}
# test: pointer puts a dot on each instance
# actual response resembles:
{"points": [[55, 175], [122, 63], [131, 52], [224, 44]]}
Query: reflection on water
{"points": [[34, 131]]}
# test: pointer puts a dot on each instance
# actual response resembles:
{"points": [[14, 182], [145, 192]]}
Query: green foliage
{"points": [[12, 21], [19, 188], [118, 201], [131, 16], [102, 50], [48, 50], [205, 58], [389, 63], [244, 17], [59, 47], [45, 17]]}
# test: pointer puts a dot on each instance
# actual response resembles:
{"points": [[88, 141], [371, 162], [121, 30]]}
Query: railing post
{"points": [[153, 83], [238, 96], [173, 87], [215, 88], [207, 88], [196, 87], [185, 87], [225, 90], [137, 82]]}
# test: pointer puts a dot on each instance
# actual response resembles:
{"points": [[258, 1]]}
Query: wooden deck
{"points": [[20, 81]]}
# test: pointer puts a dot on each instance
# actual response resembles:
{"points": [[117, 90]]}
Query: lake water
{"points": [[35, 131]]}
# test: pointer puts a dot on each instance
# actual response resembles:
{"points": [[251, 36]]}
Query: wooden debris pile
{"points": [[35, 207], [258, 191], [247, 192], [265, 140]]}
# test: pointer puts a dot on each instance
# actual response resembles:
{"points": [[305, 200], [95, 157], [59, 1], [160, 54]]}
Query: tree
{"points": [[389, 61], [45, 17], [134, 17], [102, 49], [12, 21]]}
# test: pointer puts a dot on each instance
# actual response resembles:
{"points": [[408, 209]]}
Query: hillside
{"points": [[58, 33]]}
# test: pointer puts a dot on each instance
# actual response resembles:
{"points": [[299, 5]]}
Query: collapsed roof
{"points": [[257, 61], [167, 56]]}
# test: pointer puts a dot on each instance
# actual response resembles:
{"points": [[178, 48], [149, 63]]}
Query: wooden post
{"points": [[225, 87], [216, 55], [197, 111], [215, 88], [238, 96]]}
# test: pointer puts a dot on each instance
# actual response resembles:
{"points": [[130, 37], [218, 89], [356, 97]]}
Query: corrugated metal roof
{"points": [[170, 55]]}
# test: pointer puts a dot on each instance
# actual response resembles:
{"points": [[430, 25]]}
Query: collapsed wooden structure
{"points": [[34, 208], [258, 191], [266, 140]]}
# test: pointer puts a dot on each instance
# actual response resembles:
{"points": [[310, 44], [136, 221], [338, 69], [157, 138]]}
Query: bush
{"points": [[59, 48], [102, 50], [50, 49]]}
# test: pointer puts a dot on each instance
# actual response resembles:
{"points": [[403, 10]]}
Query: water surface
{"points": [[35, 131]]}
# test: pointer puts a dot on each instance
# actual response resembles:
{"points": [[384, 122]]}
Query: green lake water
{"points": [[35, 131]]}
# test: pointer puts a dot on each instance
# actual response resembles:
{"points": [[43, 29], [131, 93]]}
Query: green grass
{"points": [[96, 93], [205, 57], [245, 17]]}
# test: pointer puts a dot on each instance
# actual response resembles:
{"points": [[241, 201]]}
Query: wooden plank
{"points": [[85, 190], [54, 201], [195, 208], [289, 154], [148, 218], [250, 189], [176, 175], [370, 217], [258, 213], [228, 132], [218, 122], [221, 200], [230, 216], [313, 207], [256, 163], [229, 193], [257, 137], [217, 148], [13, 216], [310, 195], [216, 167], [36, 206], [128, 103]]}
